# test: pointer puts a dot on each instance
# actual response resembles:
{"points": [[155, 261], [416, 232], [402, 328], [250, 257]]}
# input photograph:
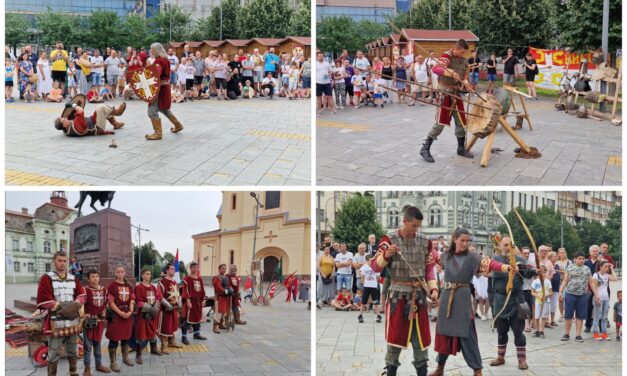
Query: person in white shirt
{"points": [[432, 62], [358, 261], [323, 84], [267, 86], [343, 263], [181, 76], [362, 64], [420, 76], [97, 69], [370, 290], [409, 58]]}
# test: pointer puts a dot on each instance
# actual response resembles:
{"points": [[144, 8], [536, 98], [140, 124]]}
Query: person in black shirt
{"points": [[531, 69], [510, 68], [491, 65], [473, 66], [235, 63], [233, 85]]}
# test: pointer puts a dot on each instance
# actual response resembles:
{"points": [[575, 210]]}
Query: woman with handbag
{"points": [[326, 267], [121, 301], [84, 84]]}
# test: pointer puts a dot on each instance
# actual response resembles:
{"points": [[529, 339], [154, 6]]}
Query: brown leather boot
{"points": [[114, 366], [439, 371], [478, 372], [119, 110], [222, 326], [52, 368], [499, 361], [138, 354], [156, 126], [72, 360], [125, 358], [237, 319], [116, 124], [103, 369], [522, 364], [216, 327], [164, 345], [177, 124], [154, 349], [87, 371], [172, 343]]}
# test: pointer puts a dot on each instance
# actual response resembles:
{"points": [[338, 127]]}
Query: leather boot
{"points": [[52, 368], [184, 340], [103, 369], [216, 327], [425, 152], [199, 336], [114, 366], [522, 364], [164, 344], [172, 343], [156, 126], [422, 370], [478, 372], [390, 370], [521, 354], [500, 360], [119, 110], [238, 321], [439, 371], [221, 326], [154, 349], [87, 371], [177, 124], [138, 354], [116, 124], [72, 360], [125, 358], [461, 148]]}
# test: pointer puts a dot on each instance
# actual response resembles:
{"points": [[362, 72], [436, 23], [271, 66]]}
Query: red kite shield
{"points": [[145, 82]]}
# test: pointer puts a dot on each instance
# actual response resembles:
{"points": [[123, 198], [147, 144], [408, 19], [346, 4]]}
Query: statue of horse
{"points": [[105, 197]]}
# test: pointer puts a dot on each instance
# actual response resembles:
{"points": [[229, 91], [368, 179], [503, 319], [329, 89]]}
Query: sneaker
{"points": [[477, 316], [565, 337], [536, 334], [378, 318], [360, 318], [605, 337], [596, 336], [579, 339], [587, 330], [618, 338]]}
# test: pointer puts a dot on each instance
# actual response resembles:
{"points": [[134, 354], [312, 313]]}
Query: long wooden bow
{"points": [[535, 250], [512, 263]]}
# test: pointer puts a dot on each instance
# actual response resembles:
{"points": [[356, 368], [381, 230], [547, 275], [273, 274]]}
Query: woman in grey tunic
{"points": [[456, 330]]}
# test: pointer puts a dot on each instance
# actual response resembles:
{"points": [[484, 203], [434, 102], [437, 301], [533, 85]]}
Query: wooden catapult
{"points": [[502, 120]]}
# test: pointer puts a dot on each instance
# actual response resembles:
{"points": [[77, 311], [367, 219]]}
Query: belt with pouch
{"points": [[452, 286], [409, 308]]}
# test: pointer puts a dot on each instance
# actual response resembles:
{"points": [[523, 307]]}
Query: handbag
{"points": [[327, 280]]}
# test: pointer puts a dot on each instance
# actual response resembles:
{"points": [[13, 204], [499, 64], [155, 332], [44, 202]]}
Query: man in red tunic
{"points": [[62, 296], [148, 299], [194, 298], [223, 291], [164, 100], [95, 304], [121, 301], [236, 299], [169, 315], [77, 125]]}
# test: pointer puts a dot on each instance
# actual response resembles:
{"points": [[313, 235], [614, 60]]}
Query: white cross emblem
{"points": [[98, 299], [150, 297], [123, 292], [197, 285], [145, 84]]}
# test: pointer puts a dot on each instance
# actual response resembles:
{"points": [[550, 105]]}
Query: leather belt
{"points": [[403, 283], [452, 286]]}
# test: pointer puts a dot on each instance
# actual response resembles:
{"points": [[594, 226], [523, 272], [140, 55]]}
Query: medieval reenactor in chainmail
{"points": [[410, 262], [223, 291], [456, 330], [506, 310], [451, 70]]}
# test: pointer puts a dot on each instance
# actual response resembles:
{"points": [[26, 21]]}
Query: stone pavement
{"points": [[375, 146], [344, 347], [275, 341], [241, 142]]}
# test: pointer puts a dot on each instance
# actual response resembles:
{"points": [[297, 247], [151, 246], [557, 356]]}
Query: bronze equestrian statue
{"points": [[105, 197]]}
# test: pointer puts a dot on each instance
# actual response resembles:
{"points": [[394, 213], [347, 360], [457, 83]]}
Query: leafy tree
{"points": [[168, 257], [591, 232], [544, 225], [337, 33], [355, 220], [264, 18], [580, 24], [300, 23], [16, 29], [614, 229], [171, 21], [59, 27], [148, 256], [136, 32], [230, 12], [104, 27]]}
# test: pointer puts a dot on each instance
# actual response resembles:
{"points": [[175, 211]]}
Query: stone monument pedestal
{"points": [[102, 241]]}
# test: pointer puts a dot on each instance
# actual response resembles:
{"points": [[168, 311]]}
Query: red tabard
{"points": [[194, 290], [78, 127], [46, 298], [121, 295], [95, 304], [222, 299], [398, 330], [169, 321], [146, 329], [165, 95], [235, 281]]}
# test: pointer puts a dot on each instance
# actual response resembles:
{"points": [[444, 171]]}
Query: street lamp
{"points": [[139, 240], [257, 206]]}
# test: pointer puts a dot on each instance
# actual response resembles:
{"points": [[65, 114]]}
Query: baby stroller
{"points": [[210, 301]]}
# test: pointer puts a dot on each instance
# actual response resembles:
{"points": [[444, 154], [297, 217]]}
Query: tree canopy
{"points": [[355, 220]]}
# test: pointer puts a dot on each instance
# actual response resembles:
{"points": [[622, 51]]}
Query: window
{"points": [[435, 217], [273, 199], [232, 257], [393, 218], [16, 266], [48, 268], [29, 246], [16, 245], [31, 267], [46, 247], [481, 219], [234, 201]]}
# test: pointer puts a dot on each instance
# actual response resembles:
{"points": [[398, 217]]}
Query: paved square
{"points": [[240, 142], [344, 347], [275, 341], [375, 146]]}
